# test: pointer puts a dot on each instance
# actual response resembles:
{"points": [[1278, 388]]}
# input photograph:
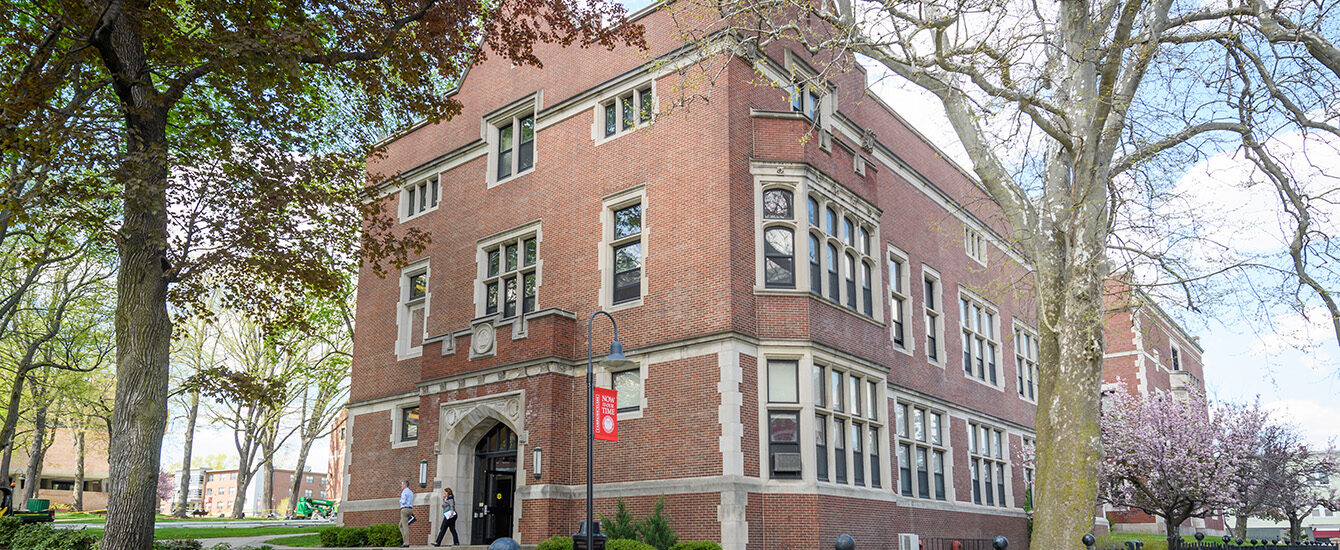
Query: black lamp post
{"points": [[615, 360]]}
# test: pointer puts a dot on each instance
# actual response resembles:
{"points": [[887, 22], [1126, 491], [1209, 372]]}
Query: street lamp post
{"points": [[615, 360]]}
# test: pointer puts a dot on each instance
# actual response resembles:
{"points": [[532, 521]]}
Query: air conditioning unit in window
{"points": [[786, 462], [908, 541]]}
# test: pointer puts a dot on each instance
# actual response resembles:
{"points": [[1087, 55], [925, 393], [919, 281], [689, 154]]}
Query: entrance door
{"points": [[495, 486]]}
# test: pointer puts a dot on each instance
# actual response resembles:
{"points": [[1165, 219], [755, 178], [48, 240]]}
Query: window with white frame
{"points": [[783, 392], [1030, 453], [922, 451], [974, 244], [624, 250], [627, 385], [515, 152], [841, 266], [418, 197], [987, 464], [627, 110], [1026, 362], [779, 238], [413, 312], [846, 407], [1176, 357], [900, 304], [509, 278], [931, 304], [409, 423], [978, 322]]}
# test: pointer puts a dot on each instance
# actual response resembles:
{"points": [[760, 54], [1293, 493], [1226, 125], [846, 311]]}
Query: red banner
{"points": [[607, 414]]}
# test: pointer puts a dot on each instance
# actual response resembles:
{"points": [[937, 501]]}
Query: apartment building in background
{"points": [[60, 466], [830, 331], [218, 492]]}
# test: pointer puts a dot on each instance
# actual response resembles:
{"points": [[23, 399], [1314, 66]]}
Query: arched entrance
{"points": [[495, 485]]}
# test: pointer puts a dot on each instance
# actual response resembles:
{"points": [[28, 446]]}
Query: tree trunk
{"points": [[11, 424], [180, 509], [1240, 528], [298, 469], [244, 479], [1295, 528], [33, 475], [267, 489], [79, 471]]}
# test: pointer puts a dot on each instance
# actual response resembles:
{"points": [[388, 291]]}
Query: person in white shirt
{"points": [[406, 512]]}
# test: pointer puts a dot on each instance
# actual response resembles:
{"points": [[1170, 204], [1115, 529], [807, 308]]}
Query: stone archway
{"points": [[461, 427]]}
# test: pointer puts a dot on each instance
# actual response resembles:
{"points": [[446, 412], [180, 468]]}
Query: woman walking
{"points": [[448, 518]]}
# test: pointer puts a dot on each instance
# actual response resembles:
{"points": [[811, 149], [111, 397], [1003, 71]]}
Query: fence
{"points": [[950, 544], [1211, 544]]}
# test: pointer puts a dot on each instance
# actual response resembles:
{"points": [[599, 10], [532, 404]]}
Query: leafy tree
{"points": [[233, 122], [1270, 445], [1172, 458], [1077, 117], [622, 527]]}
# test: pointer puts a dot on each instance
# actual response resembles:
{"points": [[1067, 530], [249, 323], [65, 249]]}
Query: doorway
{"points": [[495, 485]]}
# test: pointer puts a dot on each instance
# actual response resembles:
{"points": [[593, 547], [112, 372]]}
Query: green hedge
{"points": [[42, 537], [178, 544], [555, 543], [626, 544], [696, 545], [384, 534], [9, 525]]}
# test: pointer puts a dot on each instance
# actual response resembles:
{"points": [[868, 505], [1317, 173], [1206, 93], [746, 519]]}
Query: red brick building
{"points": [[60, 464], [830, 333], [220, 492]]}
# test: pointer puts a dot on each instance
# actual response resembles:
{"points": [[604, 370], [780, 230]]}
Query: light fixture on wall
{"points": [[535, 463], [423, 473]]}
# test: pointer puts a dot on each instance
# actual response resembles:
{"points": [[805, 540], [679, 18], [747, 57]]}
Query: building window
{"points": [[784, 444], [867, 294], [805, 98], [833, 288], [628, 386], [921, 443], [419, 197], [898, 299], [846, 256], [816, 270], [1026, 362], [979, 339], [821, 446], [624, 251], [987, 462], [409, 423], [974, 244], [509, 276], [515, 150], [931, 286], [309, 480], [1176, 358], [779, 270], [627, 111], [307, 493], [413, 310], [1029, 459], [851, 280], [850, 401]]}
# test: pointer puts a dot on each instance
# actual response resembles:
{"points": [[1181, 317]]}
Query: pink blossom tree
{"points": [[1269, 442], [1169, 457], [1300, 483], [165, 485]]}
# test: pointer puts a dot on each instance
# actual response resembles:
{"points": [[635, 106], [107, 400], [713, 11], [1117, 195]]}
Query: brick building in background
{"points": [[220, 491], [830, 332], [59, 467]]}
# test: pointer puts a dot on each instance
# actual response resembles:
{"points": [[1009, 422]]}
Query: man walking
{"points": [[406, 512]]}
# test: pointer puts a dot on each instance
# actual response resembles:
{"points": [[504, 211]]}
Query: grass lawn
{"points": [[1152, 541], [311, 540], [78, 517], [222, 532]]}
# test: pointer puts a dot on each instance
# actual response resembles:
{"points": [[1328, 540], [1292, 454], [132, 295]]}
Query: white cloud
{"points": [[1320, 423]]}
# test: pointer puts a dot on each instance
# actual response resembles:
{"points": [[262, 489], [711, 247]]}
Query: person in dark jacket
{"points": [[448, 518]]}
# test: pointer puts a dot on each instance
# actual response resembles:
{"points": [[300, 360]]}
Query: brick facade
{"points": [[59, 465], [705, 326]]}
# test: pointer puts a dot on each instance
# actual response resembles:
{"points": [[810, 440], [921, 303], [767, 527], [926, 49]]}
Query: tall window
{"points": [[1176, 358], [979, 339], [779, 254], [851, 280], [626, 245], [515, 149], [510, 275], [806, 99], [986, 454], [628, 111], [419, 197], [921, 452], [413, 311], [1026, 362], [821, 446], [409, 423], [931, 286], [974, 244], [784, 423], [1030, 454], [850, 401], [898, 300], [842, 245], [833, 288], [816, 270]]}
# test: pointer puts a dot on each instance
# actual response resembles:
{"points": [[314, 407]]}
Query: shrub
{"points": [[626, 544], [555, 543], [352, 537], [623, 526], [43, 537], [330, 536], [221, 546], [696, 545], [656, 530], [179, 544], [9, 525], [384, 534]]}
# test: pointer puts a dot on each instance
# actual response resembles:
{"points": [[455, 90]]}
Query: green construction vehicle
{"points": [[314, 508], [7, 509]]}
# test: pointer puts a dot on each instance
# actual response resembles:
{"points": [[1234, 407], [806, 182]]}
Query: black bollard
{"points": [[1088, 541], [1000, 543], [844, 542], [1199, 536]]}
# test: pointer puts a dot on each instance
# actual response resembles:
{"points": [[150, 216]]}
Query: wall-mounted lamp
{"points": [[536, 455], [423, 473]]}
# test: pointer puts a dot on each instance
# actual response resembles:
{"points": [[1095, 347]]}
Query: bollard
{"points": [[505, 543], [1000, 543], [1088, 541], [1226, 539], [1239, 541], [1199, 536], [844, 542]]}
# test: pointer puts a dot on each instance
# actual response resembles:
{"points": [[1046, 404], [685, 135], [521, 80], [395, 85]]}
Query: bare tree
{"points": [[1060, 107]]}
